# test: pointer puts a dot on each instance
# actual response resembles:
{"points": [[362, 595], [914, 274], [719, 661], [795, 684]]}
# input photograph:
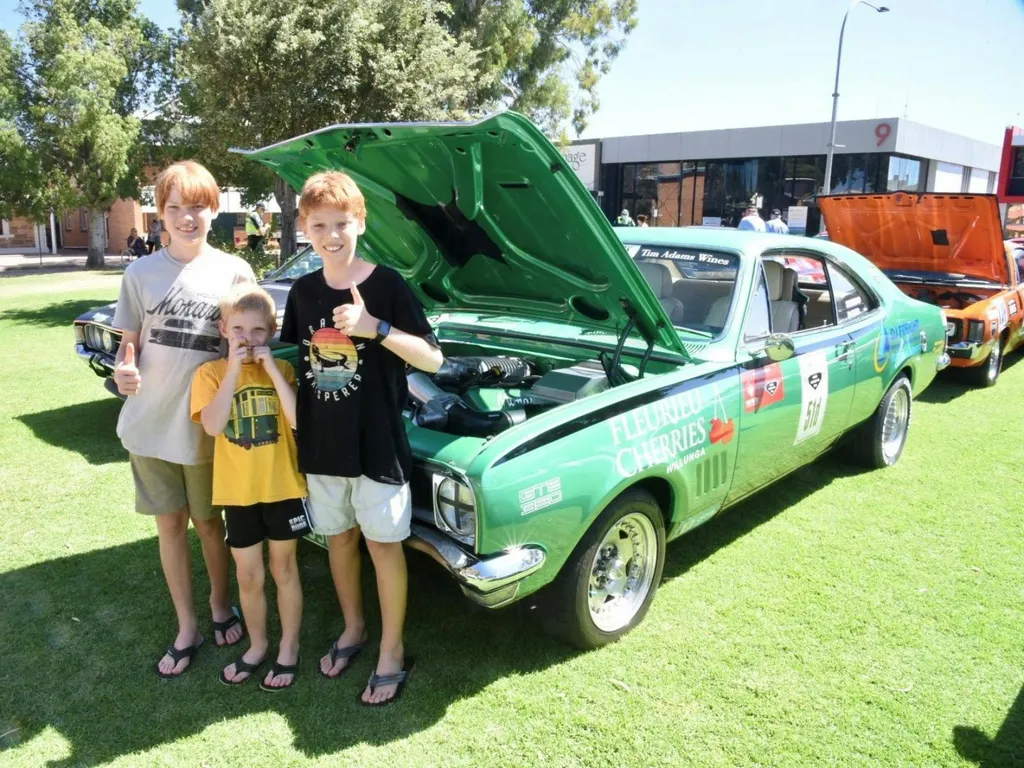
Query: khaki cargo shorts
{"points": [[162, 487]]}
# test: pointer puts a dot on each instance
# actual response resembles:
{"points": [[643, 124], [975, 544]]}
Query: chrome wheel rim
{"points": [[622, 572], [993, 362], [894, 427]]}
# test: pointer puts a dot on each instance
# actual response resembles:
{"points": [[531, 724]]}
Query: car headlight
{"points": [[975, 331], [108, 340], [92, 337], [455, 508]]}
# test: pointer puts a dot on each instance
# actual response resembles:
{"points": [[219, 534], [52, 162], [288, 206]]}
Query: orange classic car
{"points": [[947, 250]]}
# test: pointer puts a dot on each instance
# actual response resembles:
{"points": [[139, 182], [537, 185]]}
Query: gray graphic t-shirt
{"points": [[174, 308]]}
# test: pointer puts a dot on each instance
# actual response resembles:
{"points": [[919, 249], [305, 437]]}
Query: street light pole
{"points": [[827, 187]]}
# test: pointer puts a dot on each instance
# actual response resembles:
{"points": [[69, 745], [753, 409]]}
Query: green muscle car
{"points": [[605, 391]]}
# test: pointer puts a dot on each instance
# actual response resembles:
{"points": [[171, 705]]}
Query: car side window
{"points": [[848, 297], [759, 321]]}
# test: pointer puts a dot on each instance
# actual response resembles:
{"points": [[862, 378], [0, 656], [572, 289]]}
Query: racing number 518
{"points": [[813, 413]]}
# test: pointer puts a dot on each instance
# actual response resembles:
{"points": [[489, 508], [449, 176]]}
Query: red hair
{"points": [[194, 183], [334, 189]]}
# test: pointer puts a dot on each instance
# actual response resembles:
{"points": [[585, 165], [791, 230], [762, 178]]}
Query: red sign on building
{"points": [[1011, 170]]}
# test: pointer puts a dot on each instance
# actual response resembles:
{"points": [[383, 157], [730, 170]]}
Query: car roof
{"points": [[717, 237]]}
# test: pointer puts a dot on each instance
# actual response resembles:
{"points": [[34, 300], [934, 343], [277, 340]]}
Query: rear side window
{"points": [[759, 322], [849, 299]]}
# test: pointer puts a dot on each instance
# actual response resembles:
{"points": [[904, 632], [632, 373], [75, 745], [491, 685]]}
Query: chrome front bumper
{"points": [[101, 363], [490, 581], [942, 362]]}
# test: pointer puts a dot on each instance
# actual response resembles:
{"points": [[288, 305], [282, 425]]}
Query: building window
{"points": [[67, 220], [1017, 163], [904, 174], [850, 175], [83, 214], [5, 228]]}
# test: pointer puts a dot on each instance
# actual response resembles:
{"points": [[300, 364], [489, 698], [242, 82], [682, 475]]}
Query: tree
{"points": [[255, 72], [90, 65], [23, 188], [543, 57]]}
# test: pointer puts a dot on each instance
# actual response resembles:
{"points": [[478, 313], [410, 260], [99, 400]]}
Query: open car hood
{"points": [[486, 217], [929, 232]]}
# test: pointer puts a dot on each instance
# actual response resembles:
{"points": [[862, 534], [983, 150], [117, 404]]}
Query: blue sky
{"points": [[694, 64]]}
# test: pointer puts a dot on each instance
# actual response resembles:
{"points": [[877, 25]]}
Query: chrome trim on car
{"points": [[942, 362], [479, 576], [101, 363]]}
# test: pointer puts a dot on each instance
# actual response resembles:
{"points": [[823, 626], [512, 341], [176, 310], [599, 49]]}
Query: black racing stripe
{"points": [[610, 411]]}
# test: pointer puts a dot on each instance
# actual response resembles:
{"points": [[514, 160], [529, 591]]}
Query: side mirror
{"points": [[779, 347]]}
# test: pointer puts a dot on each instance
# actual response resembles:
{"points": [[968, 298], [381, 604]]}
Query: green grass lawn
{"points": [[838, 618]]}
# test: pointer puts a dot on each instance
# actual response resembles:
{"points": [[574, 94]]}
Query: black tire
{"points": [[866, 445], [987, 374], [566, 604]]}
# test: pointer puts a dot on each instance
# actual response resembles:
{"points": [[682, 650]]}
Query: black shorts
{"points": [[277, 521]]}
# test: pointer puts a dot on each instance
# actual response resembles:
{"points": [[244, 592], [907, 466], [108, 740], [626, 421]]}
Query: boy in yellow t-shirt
{"points": [[247, 402]]}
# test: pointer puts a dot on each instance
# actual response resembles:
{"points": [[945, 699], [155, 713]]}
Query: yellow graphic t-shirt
{"points": [[254, 458]]}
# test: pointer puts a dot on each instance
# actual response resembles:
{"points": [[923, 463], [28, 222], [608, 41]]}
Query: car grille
{"points": [[954, 330]]}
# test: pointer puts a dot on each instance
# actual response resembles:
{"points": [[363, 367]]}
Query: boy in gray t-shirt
{"points": [[168, 312]]}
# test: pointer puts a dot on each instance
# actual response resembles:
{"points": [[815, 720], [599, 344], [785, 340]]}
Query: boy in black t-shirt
{"points": [[356, 325]]}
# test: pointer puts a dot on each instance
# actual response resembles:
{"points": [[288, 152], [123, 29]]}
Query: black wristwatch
{"points": [[383, 329]]}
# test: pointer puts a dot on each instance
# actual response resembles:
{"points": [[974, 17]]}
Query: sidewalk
{"points": [[49, 262]]}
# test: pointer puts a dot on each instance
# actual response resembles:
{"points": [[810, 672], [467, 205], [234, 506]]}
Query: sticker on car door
{"points": [[813, 394]]}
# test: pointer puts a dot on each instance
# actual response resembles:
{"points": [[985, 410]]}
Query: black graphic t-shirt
{"points": [[351, 390]]}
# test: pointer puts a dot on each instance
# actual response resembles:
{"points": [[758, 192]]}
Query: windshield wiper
{"points": [[696, 332]]}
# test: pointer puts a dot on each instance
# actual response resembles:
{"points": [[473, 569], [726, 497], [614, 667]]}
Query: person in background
{"points": [[136, 244], [776, 224], [624, 220], [641, 220], [153, 237], [255, 230], [751, 221]]}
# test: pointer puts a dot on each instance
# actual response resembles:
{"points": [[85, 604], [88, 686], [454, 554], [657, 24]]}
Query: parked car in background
{"points": [[946, 250], [604, 391], [97, 340]]}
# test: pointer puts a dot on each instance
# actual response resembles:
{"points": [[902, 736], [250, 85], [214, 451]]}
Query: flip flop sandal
{"points": [[401, 678], [224, 626], [281, 669], [241, 665], [348, 652], [178, 654]]}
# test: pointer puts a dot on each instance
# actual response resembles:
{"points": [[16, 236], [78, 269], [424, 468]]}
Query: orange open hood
{"points": [[930, 232]]}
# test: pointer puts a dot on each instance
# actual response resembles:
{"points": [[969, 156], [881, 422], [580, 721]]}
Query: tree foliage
{"points": [[255, 72], [543, 57], [87, 67]]}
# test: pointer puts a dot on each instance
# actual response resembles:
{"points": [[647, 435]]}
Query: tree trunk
{"points": [[285, 197], [97, 239]]}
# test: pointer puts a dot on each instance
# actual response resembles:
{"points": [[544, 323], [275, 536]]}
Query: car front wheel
{"points": [[879, 441], [987, 374], [608, 583]]}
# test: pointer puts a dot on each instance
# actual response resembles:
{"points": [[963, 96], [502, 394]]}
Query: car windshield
{"points": [[694, 285], [302, 263]]}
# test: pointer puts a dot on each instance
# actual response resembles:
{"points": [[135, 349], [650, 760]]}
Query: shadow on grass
{"points": [[1007, 748], [954, 382], [80, 637], [56, 315], [736, 522], [86, 428]]}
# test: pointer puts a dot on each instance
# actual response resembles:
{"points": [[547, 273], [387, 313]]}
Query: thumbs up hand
{"points": [[126, 373], [353, 319]]}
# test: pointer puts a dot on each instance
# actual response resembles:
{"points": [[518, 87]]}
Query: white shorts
{"points": [[338, 504]]}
